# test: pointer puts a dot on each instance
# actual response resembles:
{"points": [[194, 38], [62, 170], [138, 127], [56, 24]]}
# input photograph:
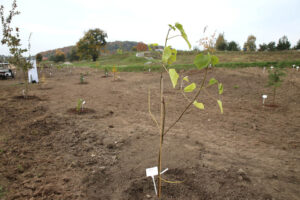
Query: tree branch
{"points": [[189, 104]]}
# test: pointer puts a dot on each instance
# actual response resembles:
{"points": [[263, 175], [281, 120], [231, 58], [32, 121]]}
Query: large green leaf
{"points": [[183, 34], [220, 105], [190, 87], [214, 60], [199, 105], [220, 87], [174, 77], [202, 61], [212, 81]]}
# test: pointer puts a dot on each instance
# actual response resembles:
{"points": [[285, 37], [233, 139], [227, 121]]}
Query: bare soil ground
{"points": [[47, 151]]}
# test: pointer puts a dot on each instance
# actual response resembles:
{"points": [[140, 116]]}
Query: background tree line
{"points": [[94, 43], [250, 45]]}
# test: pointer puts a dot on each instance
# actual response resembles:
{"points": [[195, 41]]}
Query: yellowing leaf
{"points": [[174, 77], [220, 87], [190, 88], [220, 105], [199, 105], [212, 81], [186, 78], [166, 54], [172, 57], [169, 55]]}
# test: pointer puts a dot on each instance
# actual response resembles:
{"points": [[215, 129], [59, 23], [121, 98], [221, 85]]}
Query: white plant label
{"points": [[264, 69], [264, 97], [294, 65], [297, 68], [151, 172], [271, 67], [82, 105]]}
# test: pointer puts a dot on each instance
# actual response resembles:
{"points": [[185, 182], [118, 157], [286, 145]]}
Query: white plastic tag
{"points": [[153, 171]]}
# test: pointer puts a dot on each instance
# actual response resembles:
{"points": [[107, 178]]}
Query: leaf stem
{"points": [[151, 115], [174, 37]]}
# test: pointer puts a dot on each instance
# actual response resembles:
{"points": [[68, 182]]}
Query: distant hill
{"points": [[111, 47]]}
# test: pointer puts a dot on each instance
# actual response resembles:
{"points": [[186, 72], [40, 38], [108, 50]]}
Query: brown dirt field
{"points": [[249, 152]]}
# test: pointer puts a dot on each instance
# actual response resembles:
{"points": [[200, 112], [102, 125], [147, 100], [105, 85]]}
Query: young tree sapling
{"points": [[275, 80], [11, 38], [201, 61]]}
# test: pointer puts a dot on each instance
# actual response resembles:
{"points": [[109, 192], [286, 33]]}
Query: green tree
{"points": [[89, 46], [250, 45], [263, 47], [39, 57], [133, 48], [271, 46], [11, 38], [297, 45], [283, 43], [59, 56], [72, 56], [221, 43], [233, 46]]}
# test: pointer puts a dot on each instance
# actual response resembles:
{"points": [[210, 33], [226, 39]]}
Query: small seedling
{"points": [[275, 80], [43, 79], [81, 78], [105, 72], [114, 71], [2, 191], [235, 86], [79, 106]]}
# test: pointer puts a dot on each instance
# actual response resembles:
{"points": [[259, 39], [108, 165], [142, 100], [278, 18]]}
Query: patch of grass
{"points": [[235, 86], [2, 191], [128, 62]]}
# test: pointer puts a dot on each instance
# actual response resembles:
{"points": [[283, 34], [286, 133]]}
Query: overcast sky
{"points": [[60, 23]]}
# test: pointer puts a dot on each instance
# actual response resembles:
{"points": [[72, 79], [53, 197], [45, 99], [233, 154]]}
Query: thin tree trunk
{"points": [[26, 83], [162, 127]]}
